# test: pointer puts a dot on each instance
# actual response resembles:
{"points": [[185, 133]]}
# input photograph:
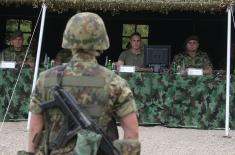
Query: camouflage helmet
{"points": [[85, 31]]}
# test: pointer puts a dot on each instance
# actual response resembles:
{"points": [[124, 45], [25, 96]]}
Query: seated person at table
{"points": [[133, 56], [16, 52], [192, 57], [63, 56]]}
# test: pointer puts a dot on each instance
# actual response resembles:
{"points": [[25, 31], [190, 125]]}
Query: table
{"points": [[166, 99], [19, 104], [180, 100]]}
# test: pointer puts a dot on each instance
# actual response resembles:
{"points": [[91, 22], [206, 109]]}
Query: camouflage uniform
{"points": [[9, 54], [101, 92], [201, 60], [132, 59], [64, 56]]}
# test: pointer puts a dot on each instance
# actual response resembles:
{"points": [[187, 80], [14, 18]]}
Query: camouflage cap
{"points": [[16, 34], [192, 37], [85, 31]]}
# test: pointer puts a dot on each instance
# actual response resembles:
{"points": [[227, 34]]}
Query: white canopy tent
{"points": [[36, 62], [229, 13], [44, 8]]}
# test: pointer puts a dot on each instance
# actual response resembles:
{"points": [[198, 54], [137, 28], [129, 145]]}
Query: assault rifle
{"points": [[76, 119]]}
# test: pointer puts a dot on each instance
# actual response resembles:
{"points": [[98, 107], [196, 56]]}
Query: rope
{"points": [[18, 77]]}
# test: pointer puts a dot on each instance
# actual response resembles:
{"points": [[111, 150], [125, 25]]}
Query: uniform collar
{"points": [[22, 49], [83, 58], [136, 52], [198, 53]]}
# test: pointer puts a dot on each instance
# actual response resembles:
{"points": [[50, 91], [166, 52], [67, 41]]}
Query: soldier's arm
{"points": [[177, 60], [30, 59], [208, 67], [126, 109], [120, 63], [129, 124], [36, 125], [121, 59]]}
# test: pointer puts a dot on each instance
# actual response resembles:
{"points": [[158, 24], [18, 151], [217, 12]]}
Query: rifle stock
{"points": [[80, 120]]}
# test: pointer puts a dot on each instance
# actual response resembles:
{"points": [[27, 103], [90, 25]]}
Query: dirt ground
{"points": [[155, 140]]}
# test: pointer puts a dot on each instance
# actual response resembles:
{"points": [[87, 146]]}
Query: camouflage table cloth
{"points": [[180, 100], [19, 103], [167, 99]]}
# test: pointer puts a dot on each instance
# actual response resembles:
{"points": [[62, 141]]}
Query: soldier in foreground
{"points": [[99, 91]]}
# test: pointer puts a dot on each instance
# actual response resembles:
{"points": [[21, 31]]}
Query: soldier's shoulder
{"points": [[201, 53], [125, 52], [110, 75], [115, 79], [204, 53], [104, 71], [179, 55], [128, 51]]}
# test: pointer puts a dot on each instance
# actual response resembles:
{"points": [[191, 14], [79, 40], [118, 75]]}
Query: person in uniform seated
{"points": [[134, 55], [192, 57], [16, 52]]}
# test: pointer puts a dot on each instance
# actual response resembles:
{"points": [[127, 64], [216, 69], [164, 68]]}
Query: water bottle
{"points": [[114, 67], [45, 63], [52, 63], [109, 65], [173, 68], [48, 63]]}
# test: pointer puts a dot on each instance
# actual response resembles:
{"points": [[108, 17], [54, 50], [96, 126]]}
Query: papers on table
{"points": [[127, 69], [7, 64], [195, 71]]}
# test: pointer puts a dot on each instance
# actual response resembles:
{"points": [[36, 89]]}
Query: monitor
{"points": [[157, 56]]}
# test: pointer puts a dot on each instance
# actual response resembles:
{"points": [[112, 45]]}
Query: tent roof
{"points": [[163, 6]]}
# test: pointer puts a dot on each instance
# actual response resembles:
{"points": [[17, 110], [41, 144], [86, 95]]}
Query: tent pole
{"points": [[38, 54], [228, 71]]}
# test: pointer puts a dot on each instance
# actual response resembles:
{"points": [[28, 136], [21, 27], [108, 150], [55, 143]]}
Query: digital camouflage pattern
{"points": [[201, 60], [9, 54], [128, 146], [180, 100], [100, 91], [166, 99], [87, 143], [85, 31], [64, 56], [19, 103]]}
